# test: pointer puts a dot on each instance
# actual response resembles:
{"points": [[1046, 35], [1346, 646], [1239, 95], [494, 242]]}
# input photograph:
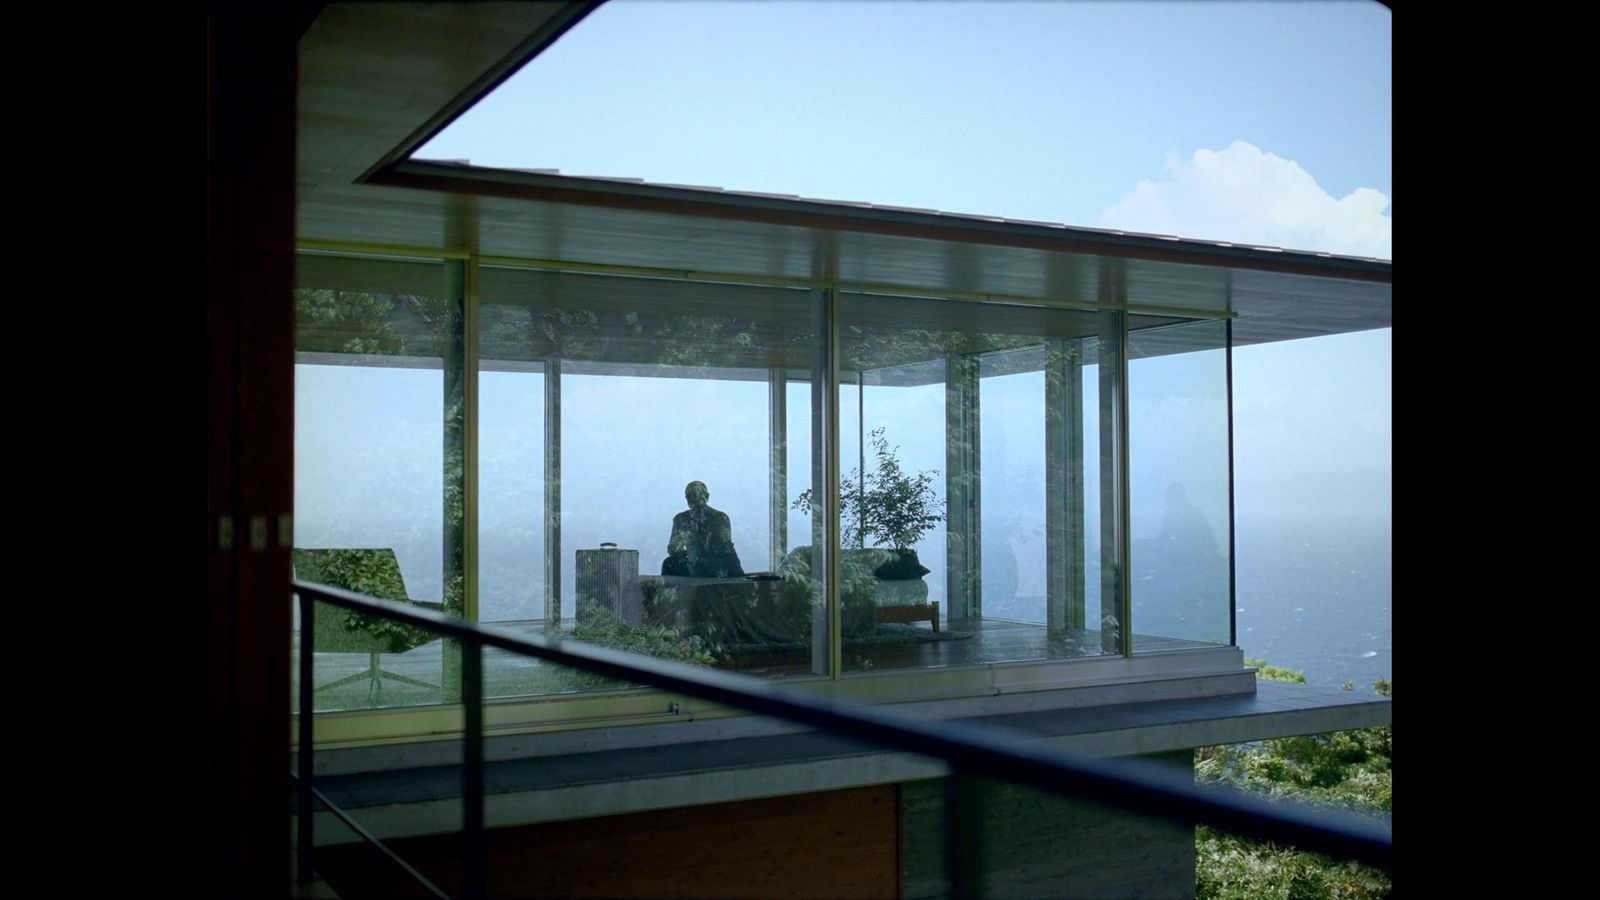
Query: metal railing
{"points": [[969, 750]]}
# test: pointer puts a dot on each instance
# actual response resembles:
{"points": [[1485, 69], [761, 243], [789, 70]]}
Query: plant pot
{"points": [[903, 565]]}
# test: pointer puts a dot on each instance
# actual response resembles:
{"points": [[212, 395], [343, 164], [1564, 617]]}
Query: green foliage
{"points": [[1276, 673], [345, 322], [892, 508], [647, 340], [1348, 769], [365, 571], [370, 572], [333, 321], [857, 583], [603, 627], [878, 347], [1228, 868]]}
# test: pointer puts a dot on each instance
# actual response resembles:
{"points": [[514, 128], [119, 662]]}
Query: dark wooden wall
{"points": [[249, 315], [833, 844]]}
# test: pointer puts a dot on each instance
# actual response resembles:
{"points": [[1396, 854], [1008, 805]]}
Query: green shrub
{"points": [[1346, 769]]}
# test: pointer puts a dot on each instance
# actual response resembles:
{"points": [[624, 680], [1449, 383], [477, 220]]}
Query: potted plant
{"points": [[888, 507]]}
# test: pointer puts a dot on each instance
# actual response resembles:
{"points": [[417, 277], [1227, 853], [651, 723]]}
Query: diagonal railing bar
{"points": [[421, 880], [1005, 755]]}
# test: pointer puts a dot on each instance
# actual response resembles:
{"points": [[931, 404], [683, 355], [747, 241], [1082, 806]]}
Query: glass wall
{"points": [[643, 445], [511, 521], [648, 473], [971, 501], [1011, 426], [370, 505], [1178, 457]]}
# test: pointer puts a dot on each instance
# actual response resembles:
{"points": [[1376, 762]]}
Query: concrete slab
{"points": [[426, 800]]}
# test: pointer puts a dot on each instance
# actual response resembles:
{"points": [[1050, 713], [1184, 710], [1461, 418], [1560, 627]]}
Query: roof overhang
{"points": [[378, 79]]}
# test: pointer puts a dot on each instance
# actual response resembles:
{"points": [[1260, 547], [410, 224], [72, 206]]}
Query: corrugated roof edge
{"points": [[861, 205]]}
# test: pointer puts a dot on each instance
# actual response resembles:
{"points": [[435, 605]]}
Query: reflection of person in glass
{"points": [[1182, 587], [1185, 537], [701, 544]]}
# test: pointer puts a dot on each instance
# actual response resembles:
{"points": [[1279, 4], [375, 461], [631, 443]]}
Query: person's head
{"points": [[697, 493], [1176, 495]]}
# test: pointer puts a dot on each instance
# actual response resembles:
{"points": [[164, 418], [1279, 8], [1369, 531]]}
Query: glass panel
{"points": [[369, 507], [510, 492], [798, 471], [1089, 517], [970, 502], [643, 443], [1178, 485], [1012, 424]]}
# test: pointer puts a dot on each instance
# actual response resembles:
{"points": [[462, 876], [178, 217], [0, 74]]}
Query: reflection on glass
{"points": [[975, 472], [510, 493], [650, 432], [369, 508], [1011, 388], [1087, 513], [649, 458], [1178, 481]]}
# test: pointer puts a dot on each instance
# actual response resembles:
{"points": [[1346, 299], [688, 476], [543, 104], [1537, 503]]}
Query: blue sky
{"points": [[1260, 122], [1054, 111]]}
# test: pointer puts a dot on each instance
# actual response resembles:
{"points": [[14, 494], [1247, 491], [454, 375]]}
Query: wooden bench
{"points": [[909, 612]]}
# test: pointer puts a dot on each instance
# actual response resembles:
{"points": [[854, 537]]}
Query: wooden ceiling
{"points": [[377, 79]]}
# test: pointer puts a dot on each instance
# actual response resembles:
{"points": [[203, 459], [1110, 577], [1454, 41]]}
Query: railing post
{"points": [[303, 819], [474, 857], [963, 836]]}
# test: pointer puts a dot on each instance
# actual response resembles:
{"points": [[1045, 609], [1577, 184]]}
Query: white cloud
{"points": [[1244, 195]]}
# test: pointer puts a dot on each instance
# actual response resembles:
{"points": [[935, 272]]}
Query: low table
{"points": [[909, 612], [903, 600], [729, 610]]}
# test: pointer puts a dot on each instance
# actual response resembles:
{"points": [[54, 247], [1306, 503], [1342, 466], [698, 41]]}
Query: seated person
{"points": [[701, 545], [1185, 539]]}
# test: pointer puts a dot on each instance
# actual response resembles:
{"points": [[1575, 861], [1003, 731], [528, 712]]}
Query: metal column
{"points": [[963, 570], [777, 467], [552, 494], [1114, 605], [1063, 442], [458, 388], [826, 621]]}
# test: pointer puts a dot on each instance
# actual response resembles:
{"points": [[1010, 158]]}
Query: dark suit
{"points": [[701, 545]]}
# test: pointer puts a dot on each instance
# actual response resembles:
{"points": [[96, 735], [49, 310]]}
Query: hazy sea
{"points": [[1314, 593]]}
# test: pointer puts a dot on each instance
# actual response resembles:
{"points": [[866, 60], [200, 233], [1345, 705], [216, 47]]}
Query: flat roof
{"points": [[364, 107]]}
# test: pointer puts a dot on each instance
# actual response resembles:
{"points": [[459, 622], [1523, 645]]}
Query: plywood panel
{"points": [[832, 844]]}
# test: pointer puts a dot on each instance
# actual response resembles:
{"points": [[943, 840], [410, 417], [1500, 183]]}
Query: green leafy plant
{"points": [[597, 625], [603, 627], [369, 572], [888, 506], [345, 322], [1348, 769]]}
